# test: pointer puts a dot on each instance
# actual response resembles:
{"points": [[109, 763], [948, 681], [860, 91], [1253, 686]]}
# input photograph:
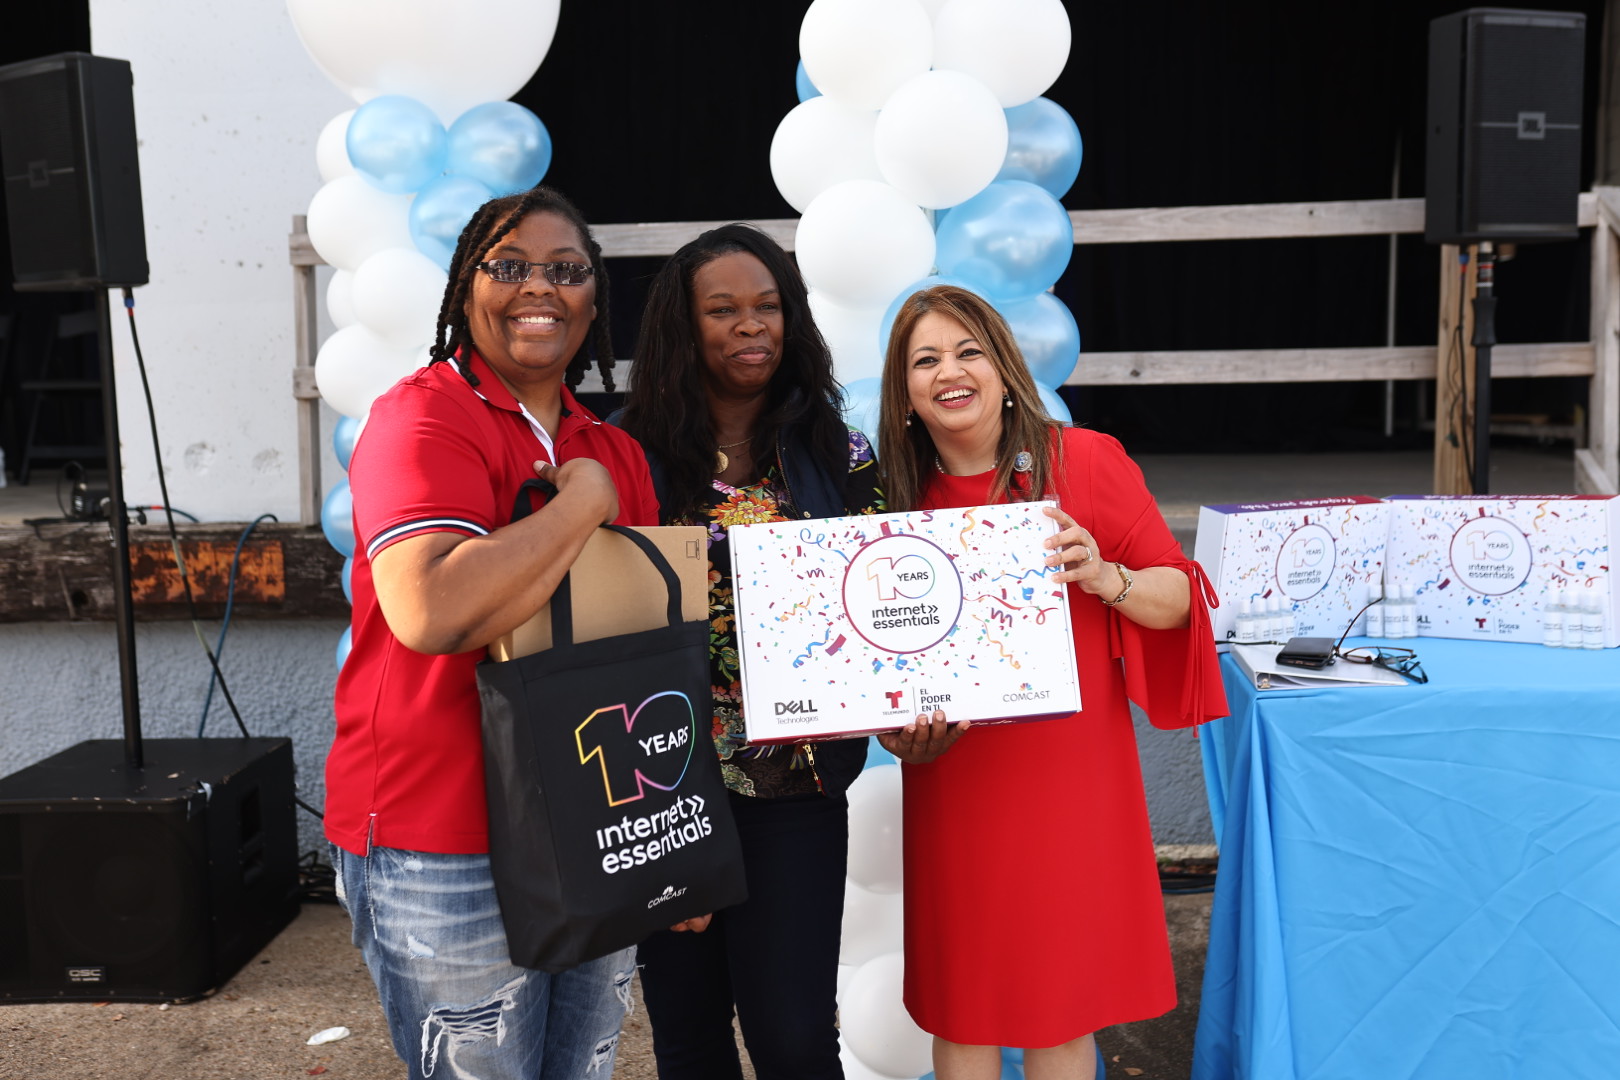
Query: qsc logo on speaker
{"points": [[902, 593]]}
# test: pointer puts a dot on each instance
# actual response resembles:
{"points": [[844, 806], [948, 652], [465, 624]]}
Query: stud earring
{"points": [[1006, 400]]}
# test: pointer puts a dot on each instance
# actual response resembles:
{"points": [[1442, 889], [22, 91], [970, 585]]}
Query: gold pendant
{"points": [[720, 462]]}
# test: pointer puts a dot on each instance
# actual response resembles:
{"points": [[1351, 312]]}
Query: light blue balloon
{"points": [[441, 211], [396, 143], [877, 756], [348, 579], [500, 144], [337, 518], [1011, 240], [1043, 146], [344, 646], [862, 399], [1047, 335], [344, 432], [802, 83], [1054, 405], [887, 326]]}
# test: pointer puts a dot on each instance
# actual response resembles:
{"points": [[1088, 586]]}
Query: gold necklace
{"points": [[721, 461]]}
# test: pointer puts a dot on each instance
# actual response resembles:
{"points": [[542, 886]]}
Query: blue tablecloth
{"points": [[1418, 881]]}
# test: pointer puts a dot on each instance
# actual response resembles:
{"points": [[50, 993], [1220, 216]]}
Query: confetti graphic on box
{"points": [[859, 623]]}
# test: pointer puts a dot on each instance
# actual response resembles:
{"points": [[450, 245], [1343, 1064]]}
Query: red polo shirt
{"points": [[406, 769]]}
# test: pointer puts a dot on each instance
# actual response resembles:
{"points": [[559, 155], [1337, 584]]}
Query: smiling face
{"points": [[738, 322], [952, 384], [528, 332]]}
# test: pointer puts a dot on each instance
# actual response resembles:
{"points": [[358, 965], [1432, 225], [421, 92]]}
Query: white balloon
{"points": [[820, 143], [875, 826], [874, 924], [411, 47], [1015, 47], [349, 221], [855, 1069], [859, 51], [340, 299], [331, 151], [397, 293], [851, 333], [844, 972], [862, 241], [941, 138], [875, 1024], [356, 366]]}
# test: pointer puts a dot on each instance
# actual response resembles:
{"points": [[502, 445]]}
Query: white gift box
{"points": [[857, 624], [1317, 557], [1485, 567]]}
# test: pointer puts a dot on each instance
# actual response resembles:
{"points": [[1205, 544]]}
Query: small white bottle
{"points": [[1552, 621], [1279, 621], [1398, 619], [1375, 613], [1596, 619], [1243, 625], [1574, 621], [1591, 619]]}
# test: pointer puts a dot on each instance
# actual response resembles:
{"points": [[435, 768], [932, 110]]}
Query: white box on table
{"points": [[1317, 556], [1485, 566], [857, 624]]}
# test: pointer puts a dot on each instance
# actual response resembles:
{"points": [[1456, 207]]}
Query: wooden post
{"points": [[1454, 375], [1597, 465], [305, 340]]}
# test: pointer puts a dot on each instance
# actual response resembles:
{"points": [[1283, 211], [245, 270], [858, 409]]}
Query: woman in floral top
{"points": [[734, 400]]}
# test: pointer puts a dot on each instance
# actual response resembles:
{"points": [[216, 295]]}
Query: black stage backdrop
{"points": [[665, 112]]}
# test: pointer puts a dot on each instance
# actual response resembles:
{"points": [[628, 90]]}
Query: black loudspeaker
{"points": [[151, 884], [1504, 139], [72, 179]]}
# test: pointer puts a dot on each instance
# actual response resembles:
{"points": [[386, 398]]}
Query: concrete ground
{"points": [[311, 978]]}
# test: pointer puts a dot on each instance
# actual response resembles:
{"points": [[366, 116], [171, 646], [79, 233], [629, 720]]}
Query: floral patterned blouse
{"points": [[776, 770]]}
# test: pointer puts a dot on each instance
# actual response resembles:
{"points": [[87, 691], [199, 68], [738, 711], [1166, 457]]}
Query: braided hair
{"points": [[489, 225], [667, 407]]}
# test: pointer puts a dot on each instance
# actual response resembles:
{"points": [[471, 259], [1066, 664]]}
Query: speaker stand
{"points": [[1484, 338], [118, 520]]}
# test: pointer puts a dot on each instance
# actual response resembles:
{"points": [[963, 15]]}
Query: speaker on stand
{"points": [[1503, 154], [122, 875]]}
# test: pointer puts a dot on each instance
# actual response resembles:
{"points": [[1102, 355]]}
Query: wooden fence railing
{"points": [[1596, 464]]}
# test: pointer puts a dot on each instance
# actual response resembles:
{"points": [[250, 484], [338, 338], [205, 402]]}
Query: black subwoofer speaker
{"points": [[152, 884], [1504, 135], [72, 179]]}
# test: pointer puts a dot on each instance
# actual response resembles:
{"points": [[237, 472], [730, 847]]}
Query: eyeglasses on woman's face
{"points": [[517, 271]]}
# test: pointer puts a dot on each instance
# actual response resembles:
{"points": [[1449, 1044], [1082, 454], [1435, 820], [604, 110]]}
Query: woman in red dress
{"points": [[1033, 912]]}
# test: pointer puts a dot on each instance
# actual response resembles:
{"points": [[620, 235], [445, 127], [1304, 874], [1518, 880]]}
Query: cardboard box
{"points": [[1485, 566], [857, 624], [616, 589], [1317, 556]]}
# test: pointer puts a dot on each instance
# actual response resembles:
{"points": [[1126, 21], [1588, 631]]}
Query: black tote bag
{"points": [[608, 818]]}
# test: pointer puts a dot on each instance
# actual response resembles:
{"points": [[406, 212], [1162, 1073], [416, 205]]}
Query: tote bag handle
{"points": [[562, 603]]}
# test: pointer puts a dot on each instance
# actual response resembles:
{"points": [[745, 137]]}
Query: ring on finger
{"points": [[1086, 557]]}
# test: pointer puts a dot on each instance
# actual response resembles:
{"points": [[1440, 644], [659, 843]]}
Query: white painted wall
{"points": [[227, 107]]}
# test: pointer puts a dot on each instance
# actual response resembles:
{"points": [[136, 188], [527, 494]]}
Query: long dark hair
{"points": [[908, 453], [667, 407], [488, 226]]}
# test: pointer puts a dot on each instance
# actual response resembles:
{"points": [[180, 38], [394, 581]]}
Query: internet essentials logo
{"points": [[648, 747]]}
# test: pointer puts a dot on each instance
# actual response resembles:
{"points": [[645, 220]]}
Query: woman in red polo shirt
{"points": [[438, 574]]}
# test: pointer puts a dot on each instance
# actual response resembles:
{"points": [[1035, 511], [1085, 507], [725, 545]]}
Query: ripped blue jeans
{"points": [[457, 1008]]}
